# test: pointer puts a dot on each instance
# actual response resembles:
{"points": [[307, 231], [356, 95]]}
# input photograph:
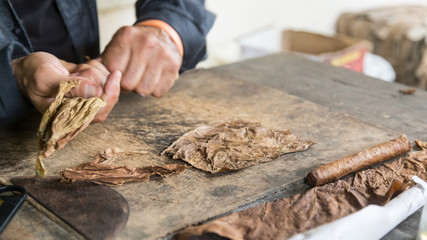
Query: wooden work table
{"points": [[342, 111]]}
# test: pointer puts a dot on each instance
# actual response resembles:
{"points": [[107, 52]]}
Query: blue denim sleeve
{"points": [[190, 20], [13, 105]]}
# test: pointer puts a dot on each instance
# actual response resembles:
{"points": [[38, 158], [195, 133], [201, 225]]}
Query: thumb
{"points": [[112, 93], [86, 89]]}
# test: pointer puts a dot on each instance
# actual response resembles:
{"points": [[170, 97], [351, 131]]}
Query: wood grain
{"points": [[93, 211], [368, 99], [162, 206]]}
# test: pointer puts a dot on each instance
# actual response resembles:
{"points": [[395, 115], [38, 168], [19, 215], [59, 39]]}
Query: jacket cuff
{"points": [[188, 18], [168, 29], [13, 106]]}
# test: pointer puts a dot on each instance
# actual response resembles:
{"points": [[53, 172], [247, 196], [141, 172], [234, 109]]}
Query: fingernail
{"points": [[91, 91], [141, 94]]}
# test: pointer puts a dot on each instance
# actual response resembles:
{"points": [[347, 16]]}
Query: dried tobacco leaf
{"points": [[285, 217], [99, 172], [62, 121], [233, 145], [421, 144]]}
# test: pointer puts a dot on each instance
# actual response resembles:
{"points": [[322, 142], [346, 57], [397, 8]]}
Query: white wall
{"points": [[113, 14], [237, 18]]}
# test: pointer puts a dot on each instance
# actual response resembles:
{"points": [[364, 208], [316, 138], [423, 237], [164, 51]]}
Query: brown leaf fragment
{"points": [[285, 217], [62, 121], [233, 145], [408, 91], [99, 172], [395, 189], [421, 144]]}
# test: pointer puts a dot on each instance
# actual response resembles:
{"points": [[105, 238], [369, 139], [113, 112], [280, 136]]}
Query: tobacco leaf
{"points": [[233, 145], [99, 172], [319, 205], [62, 121], [421, 144]]}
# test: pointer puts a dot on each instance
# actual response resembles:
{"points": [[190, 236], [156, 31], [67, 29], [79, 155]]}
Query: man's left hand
{"points": [[147, 57]]}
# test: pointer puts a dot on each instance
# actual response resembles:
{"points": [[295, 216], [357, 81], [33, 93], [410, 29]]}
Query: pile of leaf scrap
{"points": [[62, 121], [222, 147], [233, 145], [319, 205]]}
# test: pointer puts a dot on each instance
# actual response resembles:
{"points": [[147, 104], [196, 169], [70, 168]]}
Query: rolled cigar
{"points": [[333, 171]]}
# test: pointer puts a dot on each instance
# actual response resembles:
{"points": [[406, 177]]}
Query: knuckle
{"points": [[38, 85], [114, 98], [158, 93], [91, 71], [42, 70], [175, 67], [126, 31], [143, 91], [151, 41], [92, 62], [127, 85], [96, 119], [177, 61], [171, 83], [147, 85], [114, 65], [122, 37], [163, 53], [100, 117], [175, 76], [81, 67], [171, 63]]}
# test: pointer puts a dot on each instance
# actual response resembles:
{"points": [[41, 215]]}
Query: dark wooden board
{"points": [[345, 91], [29, 223], [162, 206], [92, 211], [371, 100]]}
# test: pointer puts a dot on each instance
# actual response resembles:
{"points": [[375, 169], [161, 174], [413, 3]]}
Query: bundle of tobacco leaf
{"points": [[62, 121]]}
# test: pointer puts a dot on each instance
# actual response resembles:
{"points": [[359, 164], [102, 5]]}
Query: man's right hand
{"points": [[38, 76]]}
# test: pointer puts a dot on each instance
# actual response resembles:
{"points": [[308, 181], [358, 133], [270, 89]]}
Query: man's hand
{"points": [[147, 57], [38, 76], [98, 73]]}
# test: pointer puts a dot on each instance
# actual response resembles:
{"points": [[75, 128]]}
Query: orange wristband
{"points": [[168, 29]]}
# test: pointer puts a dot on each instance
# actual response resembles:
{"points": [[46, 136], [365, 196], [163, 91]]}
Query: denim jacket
{"points": [[189, 18]]}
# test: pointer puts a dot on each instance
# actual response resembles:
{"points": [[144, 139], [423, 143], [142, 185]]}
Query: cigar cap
{"points": [[311, 180]]}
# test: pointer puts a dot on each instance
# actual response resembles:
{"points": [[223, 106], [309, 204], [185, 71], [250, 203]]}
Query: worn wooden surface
{"points": [[254, 90], [29, 223], [80, 205], [365, 98]]}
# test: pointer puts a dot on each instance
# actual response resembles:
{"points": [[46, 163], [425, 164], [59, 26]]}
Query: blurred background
{"points": [[252, 28]]}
